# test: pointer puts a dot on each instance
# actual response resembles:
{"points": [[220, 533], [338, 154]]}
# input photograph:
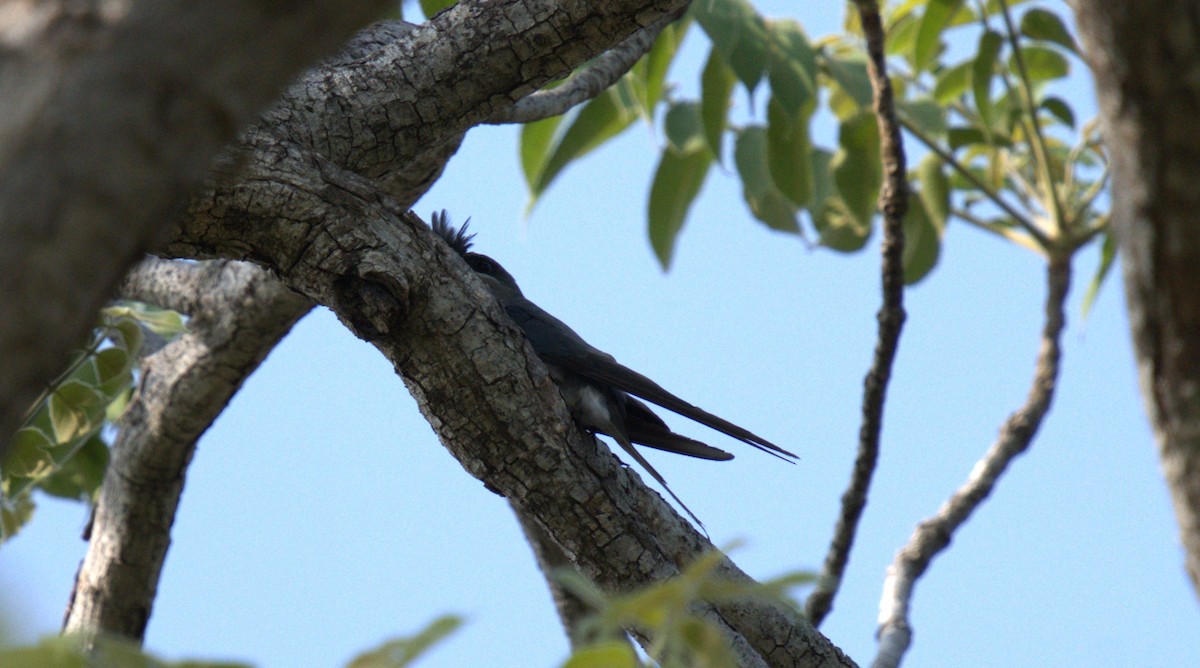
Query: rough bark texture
{"points": [[238, 314], [318, 192], [1150, 105], [109, 113]]}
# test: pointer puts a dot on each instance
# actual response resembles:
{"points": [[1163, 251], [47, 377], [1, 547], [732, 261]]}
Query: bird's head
{"points": [[498, 281]]}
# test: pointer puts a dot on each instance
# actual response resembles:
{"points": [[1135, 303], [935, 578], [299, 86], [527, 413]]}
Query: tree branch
{"points": [[110, 113], [585, 84], [238, 314], [1150, 108], [894, 202], [933, 535]]}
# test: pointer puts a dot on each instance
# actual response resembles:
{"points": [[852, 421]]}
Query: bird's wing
{"points": [[646, 428], [556, 343]]}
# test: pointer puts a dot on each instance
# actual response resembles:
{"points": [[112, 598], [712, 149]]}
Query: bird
{"points": [[602, 395]]}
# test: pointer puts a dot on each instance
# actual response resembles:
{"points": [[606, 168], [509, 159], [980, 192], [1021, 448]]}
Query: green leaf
{"points": [[738, 34], [75, 410], [610, 654], [926, 114], [856, 167], [79, 477], [127, 334], [852, 77], [431, 7], [1042, 64], [1046, 25], [600, 120], [901, 35], [953, 82], [536, 141], [981, 74], [764, 199], [15, 512], [677, 181], [788, 152], [114, 368], [650, 72], [1060, 110], [1108, 252], [935, 189], [793, 66], [684, 127], [403, 651], [839, 229], [929, 36], [716, 89], [28, 453], [922, 242]]}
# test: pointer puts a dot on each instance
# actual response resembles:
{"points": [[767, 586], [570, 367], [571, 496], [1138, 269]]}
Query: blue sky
{"points": [[321, 516]]}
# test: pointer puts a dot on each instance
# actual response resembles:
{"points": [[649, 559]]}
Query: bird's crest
{"points": [[458, 239]]}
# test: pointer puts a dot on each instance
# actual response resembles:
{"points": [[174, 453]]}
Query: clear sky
{"points": [[322, 516]]}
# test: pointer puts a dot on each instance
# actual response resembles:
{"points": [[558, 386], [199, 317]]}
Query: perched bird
{"points": [[595, 387]]}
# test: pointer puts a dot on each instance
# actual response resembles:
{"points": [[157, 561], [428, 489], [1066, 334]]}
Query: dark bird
{"points": [[595, 387]]}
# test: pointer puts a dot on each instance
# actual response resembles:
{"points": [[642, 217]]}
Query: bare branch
{"points": [[934, 534], [587, 83], [894, 202], [239, 313]]}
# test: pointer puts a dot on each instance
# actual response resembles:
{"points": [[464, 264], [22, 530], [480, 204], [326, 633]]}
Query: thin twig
{"points": [[991, 193], [894, 201], [1037, 142], [586, 83], [933, 534]]}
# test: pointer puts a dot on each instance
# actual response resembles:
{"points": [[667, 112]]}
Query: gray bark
{"points": [[1144, 57], [109, 114], [318, 192], [238, 314]]}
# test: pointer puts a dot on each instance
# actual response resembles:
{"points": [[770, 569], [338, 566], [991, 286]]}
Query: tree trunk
{"points": [[1145, 57]]}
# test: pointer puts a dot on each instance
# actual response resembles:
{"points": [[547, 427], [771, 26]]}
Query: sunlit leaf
{"points": [[600, 120], [610, 654], [1042, 63], [431, 7], [403, 651], [981, 74], [536, 140], [952, 82], [928, 43], [1108, 252]]}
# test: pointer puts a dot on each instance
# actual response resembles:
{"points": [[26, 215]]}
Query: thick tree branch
{"points": [[1150, 107], [585, 84], [894, 202], [109, 113], [933, 535], [572, 610], [238, 313]]}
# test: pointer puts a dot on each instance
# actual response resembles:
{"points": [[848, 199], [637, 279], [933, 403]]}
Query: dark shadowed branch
{"points": [[894, 202]]}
